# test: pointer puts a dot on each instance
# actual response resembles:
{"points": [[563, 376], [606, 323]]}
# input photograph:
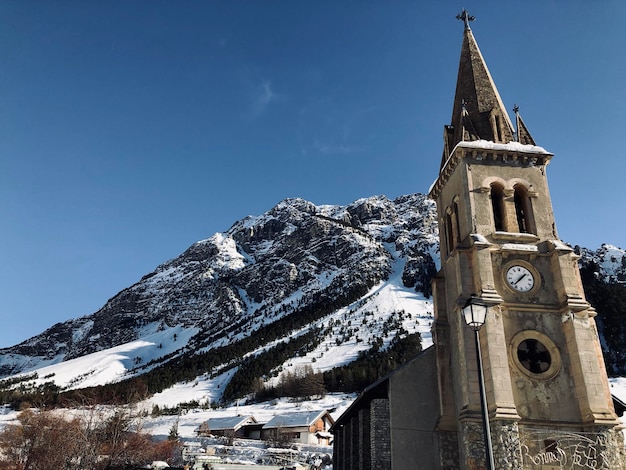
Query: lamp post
{"points": [[475, 314]]}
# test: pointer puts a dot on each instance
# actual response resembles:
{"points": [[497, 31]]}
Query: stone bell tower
{"points": [[547, 391]]}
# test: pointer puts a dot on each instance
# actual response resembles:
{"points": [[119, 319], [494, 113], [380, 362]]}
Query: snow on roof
{"points": [[489, 145], [229, 422], [479, 238], [511, 146], [559, 245], [292, 420]]}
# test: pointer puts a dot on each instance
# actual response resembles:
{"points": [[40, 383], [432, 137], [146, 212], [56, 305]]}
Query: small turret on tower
{"points": [[523, 134]]}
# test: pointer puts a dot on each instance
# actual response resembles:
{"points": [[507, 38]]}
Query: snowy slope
{"points": [[351, 329], [356, 273]]}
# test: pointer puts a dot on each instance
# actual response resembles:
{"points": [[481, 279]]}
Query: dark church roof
{"points": [[478, 112], [380, 388]]}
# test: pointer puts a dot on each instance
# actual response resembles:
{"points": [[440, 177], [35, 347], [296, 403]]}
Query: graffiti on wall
{"points": [[567, 450]]}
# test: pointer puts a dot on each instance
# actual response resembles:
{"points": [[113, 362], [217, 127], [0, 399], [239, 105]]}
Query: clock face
{"points": [[520, 278]]}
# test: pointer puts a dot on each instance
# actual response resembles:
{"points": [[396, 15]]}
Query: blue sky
{"points": [[131, 129]]}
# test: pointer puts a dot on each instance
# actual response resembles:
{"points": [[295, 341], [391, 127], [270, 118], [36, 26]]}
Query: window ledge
{"points": [[515, 237], [519, 248]]}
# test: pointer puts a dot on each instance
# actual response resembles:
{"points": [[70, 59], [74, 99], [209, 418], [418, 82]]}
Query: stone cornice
{"points": [[481, 152]]}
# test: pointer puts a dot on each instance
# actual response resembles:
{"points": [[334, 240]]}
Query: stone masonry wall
{"points": [[505, 441], [449, 448], [380, 434]]}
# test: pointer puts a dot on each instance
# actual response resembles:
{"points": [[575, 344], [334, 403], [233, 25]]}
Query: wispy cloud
{"points": [[326, 149], [263, 97], [331, 129]]}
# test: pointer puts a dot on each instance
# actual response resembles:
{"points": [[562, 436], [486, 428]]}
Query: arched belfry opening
{"points": [[523, 209], [497, 206], [450, 243], [456, 220]]}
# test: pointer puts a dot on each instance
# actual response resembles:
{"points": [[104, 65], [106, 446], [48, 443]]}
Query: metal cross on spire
{"points": [[466, 17]]}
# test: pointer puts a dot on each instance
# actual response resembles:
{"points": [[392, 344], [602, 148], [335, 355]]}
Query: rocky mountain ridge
{"points": [[263, 268]]}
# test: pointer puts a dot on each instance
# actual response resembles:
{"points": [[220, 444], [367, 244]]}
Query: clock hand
{"points": [[520, 278]]}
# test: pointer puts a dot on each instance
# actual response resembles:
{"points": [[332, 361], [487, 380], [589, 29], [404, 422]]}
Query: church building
{"points": [[532, 374]]}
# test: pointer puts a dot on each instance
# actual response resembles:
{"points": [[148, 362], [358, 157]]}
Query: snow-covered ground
{"points": [[263, 412], [618, 387], [243, 451]]}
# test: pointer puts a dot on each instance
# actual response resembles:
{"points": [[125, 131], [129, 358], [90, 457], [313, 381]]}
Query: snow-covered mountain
{"points": [[300, 265], [609, 262], [323, 283]]}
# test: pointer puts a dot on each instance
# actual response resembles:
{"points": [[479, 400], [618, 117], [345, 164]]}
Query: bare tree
{"points": [[40, 441], [44, 440]]}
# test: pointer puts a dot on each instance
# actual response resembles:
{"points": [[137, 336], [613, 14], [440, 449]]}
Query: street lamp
{"points": [[475, 314]]}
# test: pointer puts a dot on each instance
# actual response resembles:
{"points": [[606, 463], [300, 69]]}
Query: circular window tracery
{"points": [[535, 354]]}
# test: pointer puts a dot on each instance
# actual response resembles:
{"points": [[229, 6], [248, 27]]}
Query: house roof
{"points": [[298, 419], [229, 422]]}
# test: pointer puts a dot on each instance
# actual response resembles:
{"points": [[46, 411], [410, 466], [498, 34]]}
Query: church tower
{"points": [[547, 391]]}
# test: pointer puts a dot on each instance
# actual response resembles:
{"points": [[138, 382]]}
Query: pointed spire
{"points": [[478, 112]]}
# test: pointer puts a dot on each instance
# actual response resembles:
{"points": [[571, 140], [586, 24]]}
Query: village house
{"points": [[229, 426], [306, 427]]}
